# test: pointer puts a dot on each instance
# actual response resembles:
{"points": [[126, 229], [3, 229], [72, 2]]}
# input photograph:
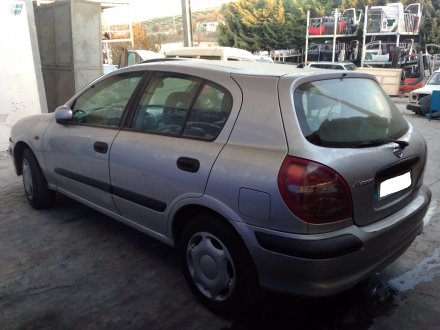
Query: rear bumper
{"points": [[326, 264]]}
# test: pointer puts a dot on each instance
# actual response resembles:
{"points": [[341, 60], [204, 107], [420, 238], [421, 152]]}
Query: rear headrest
{"points": [[175, 109], [179, 100]]}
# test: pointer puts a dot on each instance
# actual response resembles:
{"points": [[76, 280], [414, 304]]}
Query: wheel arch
{"points": [[248, 293], [18, 156], [185, 213]]}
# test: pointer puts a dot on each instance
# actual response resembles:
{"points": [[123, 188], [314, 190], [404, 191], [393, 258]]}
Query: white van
{"points": [[212, 53]]}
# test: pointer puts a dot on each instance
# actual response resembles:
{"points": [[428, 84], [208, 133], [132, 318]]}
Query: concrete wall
{"points": [[69, 35], [22, 93], [86, 40]]}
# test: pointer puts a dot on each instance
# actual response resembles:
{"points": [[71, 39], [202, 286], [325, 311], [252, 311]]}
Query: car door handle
{"points": [[100, 147], [188, 164]]}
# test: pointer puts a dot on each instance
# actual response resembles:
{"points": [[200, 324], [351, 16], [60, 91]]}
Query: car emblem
{"points": [[360, 183], [398, 152]]}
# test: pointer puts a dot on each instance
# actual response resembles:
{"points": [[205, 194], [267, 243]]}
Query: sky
{"points": [[140, 10]]}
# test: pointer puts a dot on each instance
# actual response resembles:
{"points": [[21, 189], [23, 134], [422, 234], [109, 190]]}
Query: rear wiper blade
{"points": [[402, 144]]}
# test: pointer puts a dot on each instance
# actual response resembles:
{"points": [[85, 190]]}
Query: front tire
{"points": [[34, 182], [217, 266]]}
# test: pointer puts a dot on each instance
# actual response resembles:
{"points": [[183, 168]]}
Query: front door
{"points": [[77, 152]]}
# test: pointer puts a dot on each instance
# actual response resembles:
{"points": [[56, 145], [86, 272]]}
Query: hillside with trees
{"points": [[266, 25], [263, 25]]}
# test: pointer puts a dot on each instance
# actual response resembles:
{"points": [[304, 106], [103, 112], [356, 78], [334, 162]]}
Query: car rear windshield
{"points": [[347, 113]]}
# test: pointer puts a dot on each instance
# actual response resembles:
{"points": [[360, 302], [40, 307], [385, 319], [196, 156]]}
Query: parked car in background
{"points": [[348, 66], [263, 58], [211, 53], [261, 175], [415, 102], [131, 57], [107, 68], [135, 56]]}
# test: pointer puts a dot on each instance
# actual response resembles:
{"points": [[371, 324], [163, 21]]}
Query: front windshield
{"points": [[347, 112], [434, 79]]}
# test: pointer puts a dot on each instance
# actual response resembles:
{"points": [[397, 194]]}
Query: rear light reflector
{"points": [[315, 193]]}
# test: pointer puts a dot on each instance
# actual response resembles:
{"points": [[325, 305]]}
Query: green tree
{"points": [[430, 24], [257, 25], [281, 24], [141, 40]]}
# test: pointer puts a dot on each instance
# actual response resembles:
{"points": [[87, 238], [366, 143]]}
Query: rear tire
{"points": [[217, 266], [35, 185]]}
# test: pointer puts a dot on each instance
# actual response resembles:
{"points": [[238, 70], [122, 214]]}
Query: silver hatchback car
{"points": [[262, 175]]}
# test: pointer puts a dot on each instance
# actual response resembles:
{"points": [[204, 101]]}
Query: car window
{"points": [[165, 102], [434, 79], [210, 57], [209, 112], [350, 67], [182, 106], [103, 103], [346, 112]]}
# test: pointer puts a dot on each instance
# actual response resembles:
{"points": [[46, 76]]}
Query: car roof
{"points": [[256, 68], [232, 67], [239, 67]]}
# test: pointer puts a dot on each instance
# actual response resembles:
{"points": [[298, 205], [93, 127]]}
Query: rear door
{"points": [[349, 124], [170, 145]]}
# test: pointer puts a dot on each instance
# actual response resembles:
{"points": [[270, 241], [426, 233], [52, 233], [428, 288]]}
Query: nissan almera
{"points": [[301, 181]]}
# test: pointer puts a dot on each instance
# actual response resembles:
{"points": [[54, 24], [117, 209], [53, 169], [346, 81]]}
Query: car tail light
{"points": [[315, 193]]}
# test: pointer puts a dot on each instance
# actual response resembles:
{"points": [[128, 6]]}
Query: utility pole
{"points": [[187, 26]]}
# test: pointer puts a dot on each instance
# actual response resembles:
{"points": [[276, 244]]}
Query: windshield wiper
{"points": [[402, 144]]}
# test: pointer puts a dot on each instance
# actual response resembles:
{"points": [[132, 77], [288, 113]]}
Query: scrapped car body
{"points": [[262, 175], [414, 99]]}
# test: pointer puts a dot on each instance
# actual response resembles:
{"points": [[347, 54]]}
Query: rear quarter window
{"points": [[346, 112]]}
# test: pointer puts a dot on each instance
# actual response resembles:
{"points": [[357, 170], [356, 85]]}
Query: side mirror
{"points": [[63, 114]]}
